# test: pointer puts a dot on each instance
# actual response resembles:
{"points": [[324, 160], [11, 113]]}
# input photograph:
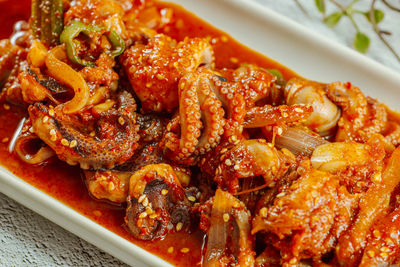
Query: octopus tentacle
{"points": [[272, 115], [232, 101], [378, 116], [256, 82], [361, 116], [354, 108], [250, 158], [199, 109], [392, 133], [154, 69], [114, 143], [213, 117]]}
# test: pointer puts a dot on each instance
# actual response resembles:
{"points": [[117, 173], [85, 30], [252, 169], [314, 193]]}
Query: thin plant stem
{"points": [[300, 6], [378, 32], [389, 5]]}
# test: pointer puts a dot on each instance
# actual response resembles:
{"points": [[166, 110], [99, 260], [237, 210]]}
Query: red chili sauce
{"points": [[65, 183]]}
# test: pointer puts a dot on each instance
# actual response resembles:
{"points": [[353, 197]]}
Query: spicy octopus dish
{"points": [[177, 139]]}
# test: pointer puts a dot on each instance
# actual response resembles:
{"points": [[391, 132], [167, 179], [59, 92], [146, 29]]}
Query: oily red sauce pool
{"points": [[64, 182]]}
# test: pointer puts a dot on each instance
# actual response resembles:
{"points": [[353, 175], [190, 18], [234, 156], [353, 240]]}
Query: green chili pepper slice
{"points": [[75, 28]]}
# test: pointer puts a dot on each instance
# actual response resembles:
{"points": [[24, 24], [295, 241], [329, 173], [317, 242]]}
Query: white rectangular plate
{"points": [[265, 31]]}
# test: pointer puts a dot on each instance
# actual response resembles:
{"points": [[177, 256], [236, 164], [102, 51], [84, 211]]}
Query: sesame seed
{"points": [[385, 249], [377, 177], [64, 142], [279, 131], [149, 210], [228, 162], [218, 171], [280, 194], [102, 178], [53, 138], [45, 119], [185, 250], [224, 150], [236, 205], [234, 60], [293, 261], [170, 249], [5, 140], [179, 226], [263, 212], [145, 202], [141, 198], [153, 215], [92, 134], [31, 130], [6, 106], [121, 120], [97, 213], [371, 253], [73, 144], [225, 217], [160, 77], [299, 110], [51, 112], [111, 186], [192, 198], [384, 255], [143, 215], [236, 167], [53, 132], [164, 192], [376, 233], [224, 38]]}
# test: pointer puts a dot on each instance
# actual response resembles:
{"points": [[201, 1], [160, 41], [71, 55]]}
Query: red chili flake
{"points": [[348, 85]]}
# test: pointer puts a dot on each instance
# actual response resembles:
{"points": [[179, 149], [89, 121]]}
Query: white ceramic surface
{"points": [[307, 53]]}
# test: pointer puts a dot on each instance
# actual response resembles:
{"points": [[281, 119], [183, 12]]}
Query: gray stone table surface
{"points": [[28, 239]]}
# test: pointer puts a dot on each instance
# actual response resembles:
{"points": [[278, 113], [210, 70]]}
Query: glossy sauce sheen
{"points": [[65, 183]]}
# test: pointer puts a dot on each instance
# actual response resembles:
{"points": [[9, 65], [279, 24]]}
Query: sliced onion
{"points": [[218, 232], [227, 205], [299, 141], [40, 156]]}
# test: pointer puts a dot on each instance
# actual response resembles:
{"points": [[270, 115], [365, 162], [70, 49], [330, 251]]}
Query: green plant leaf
{"points": [[320, 5], [333, 19], [378, 14], [361, 42]]}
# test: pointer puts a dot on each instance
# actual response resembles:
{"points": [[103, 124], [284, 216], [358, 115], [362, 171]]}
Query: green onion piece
{"points": [[47, 20], [75, 28], [57, 20], [276, 73]]}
